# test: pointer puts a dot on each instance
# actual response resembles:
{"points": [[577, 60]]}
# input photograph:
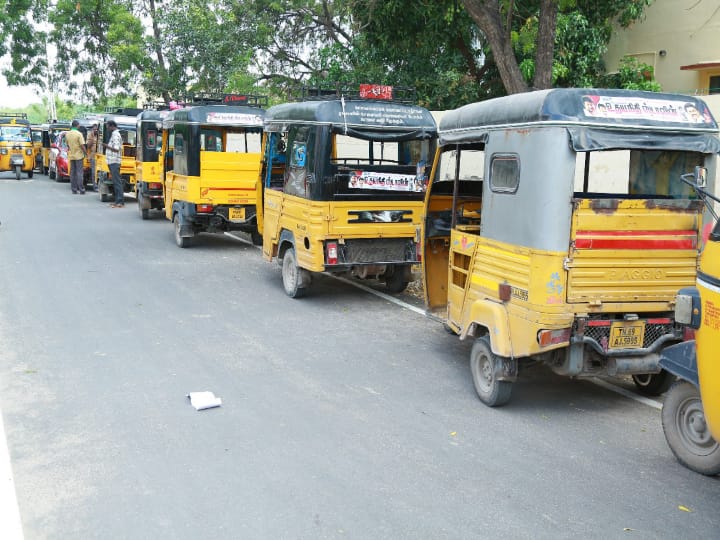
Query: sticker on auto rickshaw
{"points": [[234, 118], [387, 181], [660, 110]]}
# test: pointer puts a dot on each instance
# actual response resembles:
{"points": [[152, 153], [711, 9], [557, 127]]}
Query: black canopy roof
{"points": [[356, 117], [222, 115], [595, 118]]}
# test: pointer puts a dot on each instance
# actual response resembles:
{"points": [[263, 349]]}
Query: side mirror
{"points": [[700, 177]]}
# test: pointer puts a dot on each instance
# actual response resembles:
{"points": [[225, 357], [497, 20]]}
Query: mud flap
{"points": [[186, 228], [506, 369], [681, 361]]}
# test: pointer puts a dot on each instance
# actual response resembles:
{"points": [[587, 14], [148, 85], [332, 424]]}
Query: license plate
{"points": [[237, 214], [627, 335]]}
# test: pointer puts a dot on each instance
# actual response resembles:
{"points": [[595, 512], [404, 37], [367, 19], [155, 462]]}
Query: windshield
{"points": [[383, 165], [15, 133]]}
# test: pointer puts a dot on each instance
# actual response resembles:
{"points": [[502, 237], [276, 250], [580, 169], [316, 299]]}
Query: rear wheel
{"points": [[686, 431], [18, 171], [653, 384], [30, 174], [396, 282], [181, 241], [52, 174], [483, 364], [144, 213], [104, 197], [295, 279]]}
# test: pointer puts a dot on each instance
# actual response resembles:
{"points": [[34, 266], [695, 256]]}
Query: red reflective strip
{"points": [[230, 189], [599, 323], [659, 321], [679, 239]]}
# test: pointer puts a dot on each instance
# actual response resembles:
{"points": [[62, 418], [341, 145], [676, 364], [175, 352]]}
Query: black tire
{"points": [[18, 172], [104, 197], [45, 170], [653, 384], [396, 282], [295, 279], [52, 174], [181, 241], [144, 213], [30, 174], [483, 361], [256, 238], [686, 431]]}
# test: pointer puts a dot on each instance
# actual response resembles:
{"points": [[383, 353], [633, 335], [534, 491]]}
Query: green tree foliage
{"points": [[100, 50]]}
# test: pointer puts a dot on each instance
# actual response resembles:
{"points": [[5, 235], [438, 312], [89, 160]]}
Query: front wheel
{"points": [[295, 279], [653, 384], [18, 171], [686, 432], [484, 364], [181, 241]]}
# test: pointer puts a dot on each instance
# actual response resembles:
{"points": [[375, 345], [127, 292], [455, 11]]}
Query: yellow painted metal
{"points": [[313, 222], [707, 338], [226, 178], [599, 276]]}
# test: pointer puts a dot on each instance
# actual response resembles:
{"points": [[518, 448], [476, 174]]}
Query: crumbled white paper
{"points": [[204, 400]]}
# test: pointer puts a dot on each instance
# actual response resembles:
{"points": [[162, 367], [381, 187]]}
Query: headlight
{"points": [[29, 151]]}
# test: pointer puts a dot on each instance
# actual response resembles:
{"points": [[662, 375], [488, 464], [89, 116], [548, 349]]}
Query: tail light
{"points": [[688, 333], [332, 253], [154, 185], [203, 208], [418, 252], [553, 337]]}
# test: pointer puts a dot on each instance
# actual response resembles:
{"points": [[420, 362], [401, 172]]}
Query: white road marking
{"points": [[10, 524], [627, 393]]}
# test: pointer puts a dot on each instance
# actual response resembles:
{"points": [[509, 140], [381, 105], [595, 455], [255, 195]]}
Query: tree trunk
{"points": [[545, 45], [486, 14]]}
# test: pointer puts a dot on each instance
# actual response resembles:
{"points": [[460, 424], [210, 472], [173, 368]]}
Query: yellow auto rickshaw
{"points": [[212, 186], [345, 176], [126, 120], [557, 230], [16, 145], [37, 137], [149, 161], [691, 410]]}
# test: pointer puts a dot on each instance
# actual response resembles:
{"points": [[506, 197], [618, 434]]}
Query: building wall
{"points": [[688, 31]]}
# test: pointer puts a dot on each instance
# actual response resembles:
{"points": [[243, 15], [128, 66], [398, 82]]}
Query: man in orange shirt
{"points": [[76, 155]]}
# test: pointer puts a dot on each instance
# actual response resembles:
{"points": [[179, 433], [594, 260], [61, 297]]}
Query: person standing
{"points": [[92, 146], [76, 154], [113, 149]]}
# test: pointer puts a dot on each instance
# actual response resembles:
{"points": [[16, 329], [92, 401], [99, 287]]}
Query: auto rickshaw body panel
{"points": [[346, 195], [707, 337], [560, 235]]}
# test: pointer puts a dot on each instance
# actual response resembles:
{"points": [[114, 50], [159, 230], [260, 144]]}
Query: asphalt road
{"points": [[343, 415]]}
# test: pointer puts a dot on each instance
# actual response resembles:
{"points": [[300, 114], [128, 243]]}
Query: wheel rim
{"points": [[289, 272], [178, 238], [484, 373], [693, 430]]}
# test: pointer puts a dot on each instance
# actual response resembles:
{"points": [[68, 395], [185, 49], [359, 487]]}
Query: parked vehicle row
{"points": [[552, 226]]}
